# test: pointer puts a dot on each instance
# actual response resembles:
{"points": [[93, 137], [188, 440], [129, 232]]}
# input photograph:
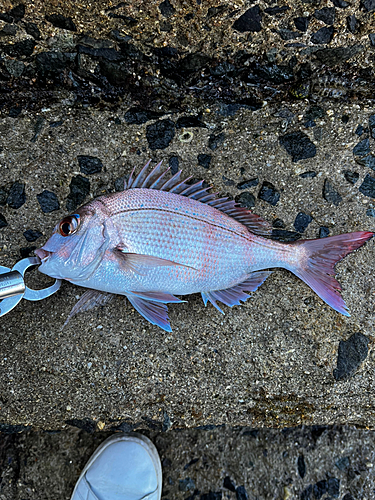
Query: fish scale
{"points": [[161, 237]]}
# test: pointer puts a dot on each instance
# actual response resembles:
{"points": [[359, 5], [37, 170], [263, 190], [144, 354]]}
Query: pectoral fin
{"points": [[155, 312], [135, 261]]}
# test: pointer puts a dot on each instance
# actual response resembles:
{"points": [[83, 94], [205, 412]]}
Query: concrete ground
{"points": [[221, 463]]}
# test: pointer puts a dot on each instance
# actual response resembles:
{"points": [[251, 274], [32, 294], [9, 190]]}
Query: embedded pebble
{"points": [[138, 116], [204, 160], [278, 223], [166, 8], [330, 194], [60, 21], [17, 196], [320, 488], [31, 235], [33, 30], [160, 134], [352, 23], [241, 493], [298, 145], [302, 221], [371, 124], [189, 122], [301, 466], [370, 212], [368, 186], [323, 232], [3, 222], [249, 21], [248, 184], [351, 177], [48, 201], [26, 251], [359, 130], [308, 175], [372, 39], [324, 35], [3, 196], [363, 155], [343, 463], [174, 164], [301, 23], [351, 354], [215, 140], [327, 15], [269, 193], [228, 484], [79, 189], [246, 200], [89, 164]]}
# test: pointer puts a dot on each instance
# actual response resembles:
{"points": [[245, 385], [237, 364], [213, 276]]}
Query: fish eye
{"points": [[69, 225]]}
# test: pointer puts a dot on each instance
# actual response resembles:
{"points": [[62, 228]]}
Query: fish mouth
{"points": [[42, 254]]}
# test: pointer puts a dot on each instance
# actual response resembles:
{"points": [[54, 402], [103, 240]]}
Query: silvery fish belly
{"points": [[164, 237]]}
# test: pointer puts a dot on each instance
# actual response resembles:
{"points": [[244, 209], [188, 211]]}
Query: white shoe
{"points": [[123, 467]]}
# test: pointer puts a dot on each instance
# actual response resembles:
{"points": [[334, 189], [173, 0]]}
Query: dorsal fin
{"points": [[154, 179]]}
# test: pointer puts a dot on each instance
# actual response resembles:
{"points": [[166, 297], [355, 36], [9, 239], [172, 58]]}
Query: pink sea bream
{"points": [[162, 237]]}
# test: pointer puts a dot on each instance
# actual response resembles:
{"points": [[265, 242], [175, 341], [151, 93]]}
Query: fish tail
{"points": [[317, 260]]}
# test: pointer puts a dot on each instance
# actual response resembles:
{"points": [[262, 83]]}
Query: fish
{"points": [[163, 238]]}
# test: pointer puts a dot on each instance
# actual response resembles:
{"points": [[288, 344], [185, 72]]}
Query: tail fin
{"points": [[318, 267]]}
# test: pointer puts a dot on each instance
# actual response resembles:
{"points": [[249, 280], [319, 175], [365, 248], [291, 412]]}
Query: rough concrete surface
{"points": [[216, 464]]}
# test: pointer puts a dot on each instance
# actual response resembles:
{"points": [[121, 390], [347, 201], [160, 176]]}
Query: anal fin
{"points": [[235, 295]]}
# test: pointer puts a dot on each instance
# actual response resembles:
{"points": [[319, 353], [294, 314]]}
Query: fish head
{"points": [[77, 245]]}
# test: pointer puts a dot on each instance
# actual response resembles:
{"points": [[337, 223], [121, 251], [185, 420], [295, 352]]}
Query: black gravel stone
{"points": [[314, 112], [246, 200], [9, 30], [351, 177], [308, 175], [362, 154], [301, 223], [352, 23], [48, 201], [33, 30], [228, 484], [330, 194], [333, 487], [283, 235], [337, 55], [249, 21], [215, 140], [186, 484], [26, 251], [345, 119], [3, 196], [104, 52], [23, 48], [327, 15], [359, 130], [320, 488], [298, 145], [160, 134], [174, 164], [301, 23], [31, 235], [301, 466], [89, 164], [351, 353], [368, 186], [204, 160], [17, 196], [241, 493], [369, 5], [370, 212], [248, 184], [278, 223], [324, 35], [371, 124], [269, 193], [79, 189], [85, 424], [288, 34], [372, 39], [211, 495], [342, 463], [341, 4], [138, 116], [192, 462], [194, 62], [60, 21], [3, 222], [50, 63], [18, 12], [189, 122], [323, 232], [167, 9], [306, 493], [348, 496]]}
